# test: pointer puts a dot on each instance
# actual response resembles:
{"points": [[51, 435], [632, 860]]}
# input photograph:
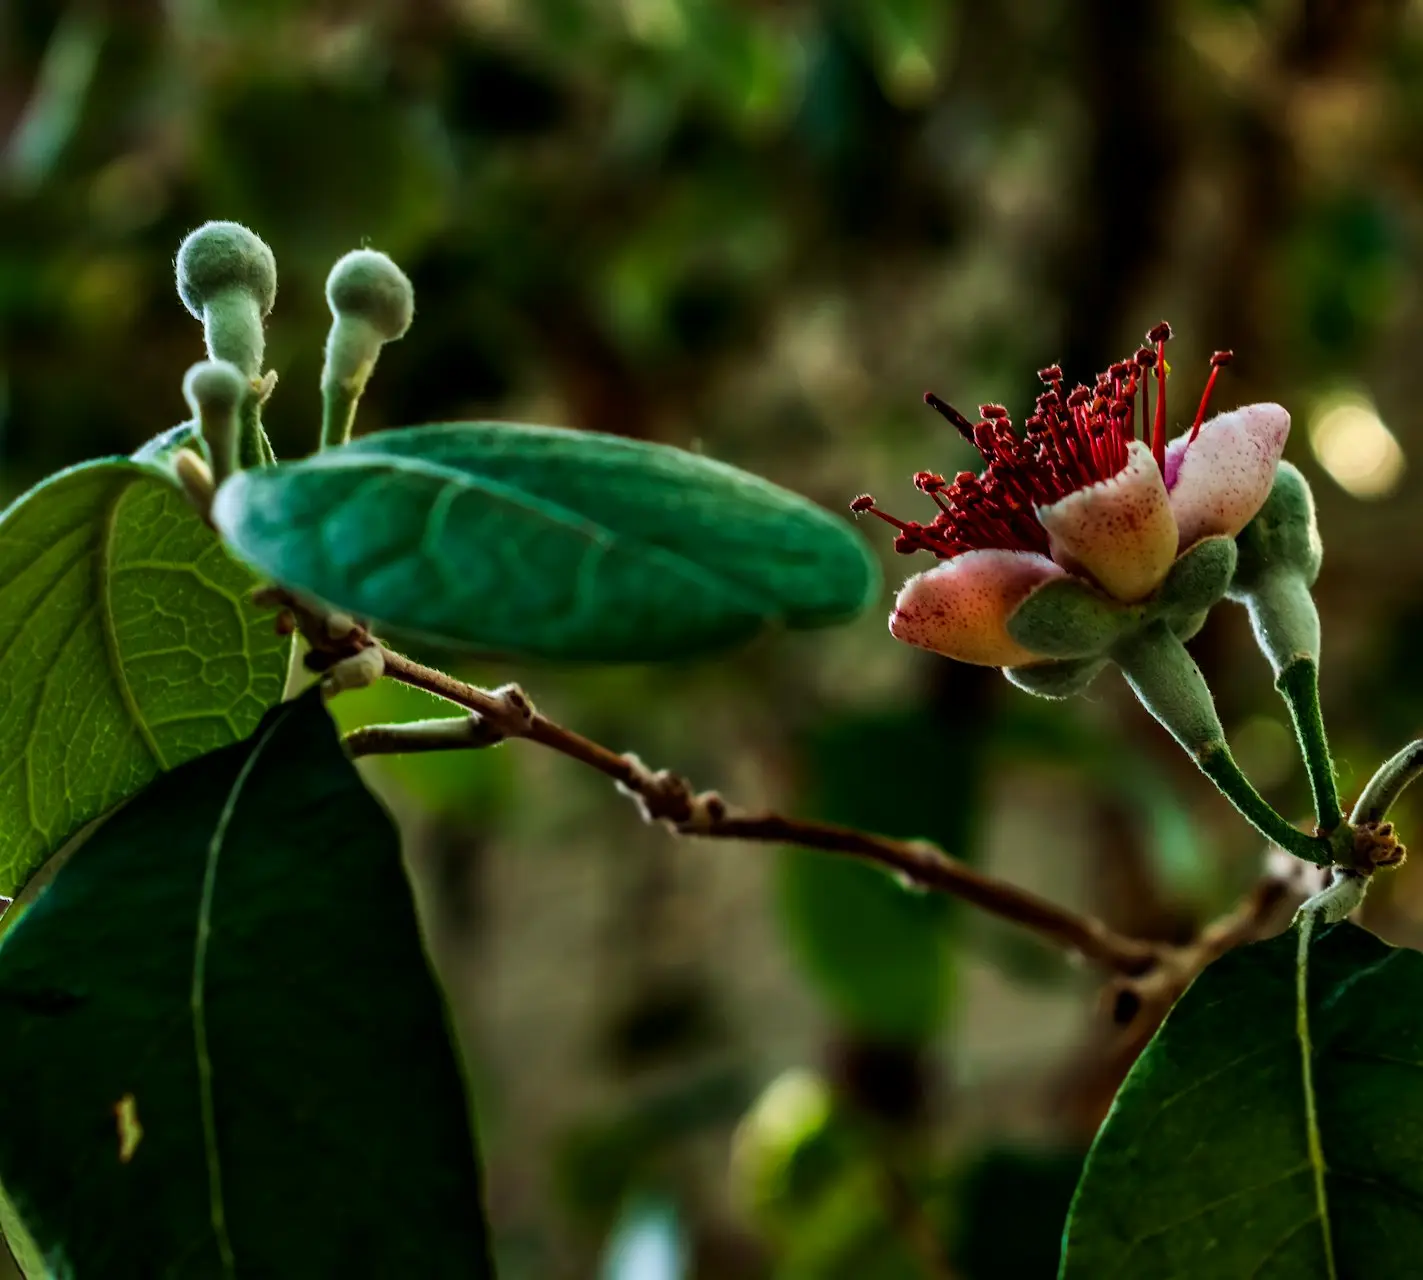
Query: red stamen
{"points": [[1073, 439], [962, 424], [1160, 335], [1218, 362]]}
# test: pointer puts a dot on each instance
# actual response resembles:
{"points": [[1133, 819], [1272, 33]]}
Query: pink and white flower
{"points": [[1078, 494]]}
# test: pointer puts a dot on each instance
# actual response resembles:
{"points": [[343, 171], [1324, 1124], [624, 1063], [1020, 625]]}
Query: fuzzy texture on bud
{"points": [[372, 302], [227, 278], [215, 391], [367, 285], [1279, 557], [219, 256]]}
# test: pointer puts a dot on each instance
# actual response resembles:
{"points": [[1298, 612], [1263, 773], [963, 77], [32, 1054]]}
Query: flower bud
{"points": [[227, 278], [1279, 554], [1284, 535], [368, 286], [372, 302], [215, 391]]}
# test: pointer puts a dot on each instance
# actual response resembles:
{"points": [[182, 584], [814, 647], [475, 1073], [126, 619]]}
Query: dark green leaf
{"points": [[128, 645], [232, 962], [1205, 1166], [545, 542], [880, 953], [1009, 1210]]}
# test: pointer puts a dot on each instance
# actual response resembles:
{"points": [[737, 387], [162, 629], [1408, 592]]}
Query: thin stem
{"points": [[664, 797], [1219, 766], [1170, 685], [338, 411], [1384, 788], [1298, 684], [452, 734]]}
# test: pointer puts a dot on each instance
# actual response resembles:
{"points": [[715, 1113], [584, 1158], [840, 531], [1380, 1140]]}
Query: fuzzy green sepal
{"points": [[1065, 618], [1197, 580], [1056, 679]]}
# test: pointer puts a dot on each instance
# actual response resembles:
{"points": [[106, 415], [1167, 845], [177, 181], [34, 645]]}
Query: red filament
{"points": [[1070, 441]]}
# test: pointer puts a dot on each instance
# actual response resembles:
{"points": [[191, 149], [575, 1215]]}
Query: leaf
{"points": [[127, 646], [880, 953], [223, 1049], [1205, 1165], [877, 951], [543, 542], [1010, 1205]]}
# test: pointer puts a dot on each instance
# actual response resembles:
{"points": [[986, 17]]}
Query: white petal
{"points": [[1119, 530], [1221, 479], [960, 608]]}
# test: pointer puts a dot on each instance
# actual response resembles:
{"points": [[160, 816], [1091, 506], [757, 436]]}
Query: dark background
{"points": [[764, 229]]}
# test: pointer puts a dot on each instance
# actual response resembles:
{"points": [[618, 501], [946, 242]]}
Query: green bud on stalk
{"points": [[215, 391], [372, 302], [227, 278]]}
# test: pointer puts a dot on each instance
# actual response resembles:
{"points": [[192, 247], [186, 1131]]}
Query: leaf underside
{"points": [[245, 1070], [1204, 1167], [545, 542], [127, 646]]}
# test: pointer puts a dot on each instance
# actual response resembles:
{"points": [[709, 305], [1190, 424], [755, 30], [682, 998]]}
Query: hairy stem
{"points": [[1298, 684], [1170, 685], [1390, 782], [1219, 766]]}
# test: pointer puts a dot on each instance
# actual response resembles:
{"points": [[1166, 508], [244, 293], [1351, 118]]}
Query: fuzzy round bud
{"points": [[215, 391], [367, 285], [214, 387], [222, 256], [372, 302]]}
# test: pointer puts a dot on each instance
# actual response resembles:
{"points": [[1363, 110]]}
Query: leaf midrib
{"points": [[1313, 1140], [197, 998], [547, 509]]}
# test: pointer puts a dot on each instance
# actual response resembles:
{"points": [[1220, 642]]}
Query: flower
{"points": [[1077, 497]]}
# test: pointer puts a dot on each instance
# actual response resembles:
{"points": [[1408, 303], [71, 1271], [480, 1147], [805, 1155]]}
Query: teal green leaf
{"points": [[1218, 1160], [224, 1048], [127, 646], [538, 541]]}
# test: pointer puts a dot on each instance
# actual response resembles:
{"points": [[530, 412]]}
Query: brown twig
{"points": [[665, 797]]}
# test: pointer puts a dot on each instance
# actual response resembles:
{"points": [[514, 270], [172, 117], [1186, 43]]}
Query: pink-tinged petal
{"points": [[1219, 480], [1119, 530], [960, 608]]}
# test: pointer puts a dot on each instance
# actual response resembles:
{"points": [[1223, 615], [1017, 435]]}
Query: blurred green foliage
{"points": [[762, 229]]}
